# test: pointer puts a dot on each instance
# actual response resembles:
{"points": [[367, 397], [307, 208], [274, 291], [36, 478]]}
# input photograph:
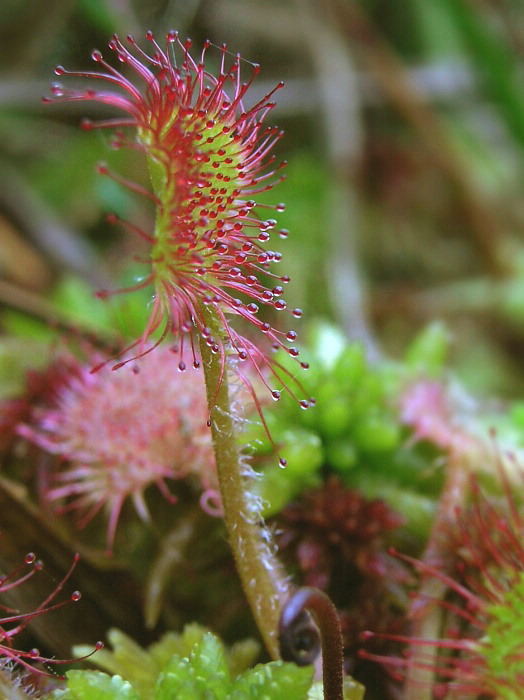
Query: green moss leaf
{"points": [[274, 681], [193, 665], [95, 685], [204, 674]]}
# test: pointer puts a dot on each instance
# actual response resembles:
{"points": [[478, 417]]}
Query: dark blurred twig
{"points": [[63, 246], [340, 108], [485, 227], [15, 297], [512, 17], [28, 30], [109, 597]]}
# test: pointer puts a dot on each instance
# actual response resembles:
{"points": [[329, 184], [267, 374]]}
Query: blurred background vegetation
{"points": [[405, 136], [404, 126]]}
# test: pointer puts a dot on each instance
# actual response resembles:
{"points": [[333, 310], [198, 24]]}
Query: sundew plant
{"points": [[259, 502], [207, 155]]}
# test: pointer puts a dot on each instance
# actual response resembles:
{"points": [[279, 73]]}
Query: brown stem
{"points": [[298, 642], [261, 574]]}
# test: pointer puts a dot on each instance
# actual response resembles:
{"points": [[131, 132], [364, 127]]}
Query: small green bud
{"points": [[350, 367], [341, 455], [334, 417], [429, 350], [303, 451], [376, 434]]}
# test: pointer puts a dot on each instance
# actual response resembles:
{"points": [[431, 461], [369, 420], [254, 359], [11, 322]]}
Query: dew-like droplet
{"points": [[304, 404], [297, 313], [282, 462], [75, 596], [280, 305], [281, 207], [276, 394], [30, 558], [34, 653], [182, 366], [291, 336]]}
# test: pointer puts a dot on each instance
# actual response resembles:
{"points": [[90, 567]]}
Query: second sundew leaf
{"points": [[503, 647]]}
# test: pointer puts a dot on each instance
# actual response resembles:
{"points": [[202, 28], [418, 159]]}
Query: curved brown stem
{"points": [[299, 640]]}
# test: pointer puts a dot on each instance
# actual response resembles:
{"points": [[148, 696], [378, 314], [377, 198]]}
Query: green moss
{"points": [[192, 665]]}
